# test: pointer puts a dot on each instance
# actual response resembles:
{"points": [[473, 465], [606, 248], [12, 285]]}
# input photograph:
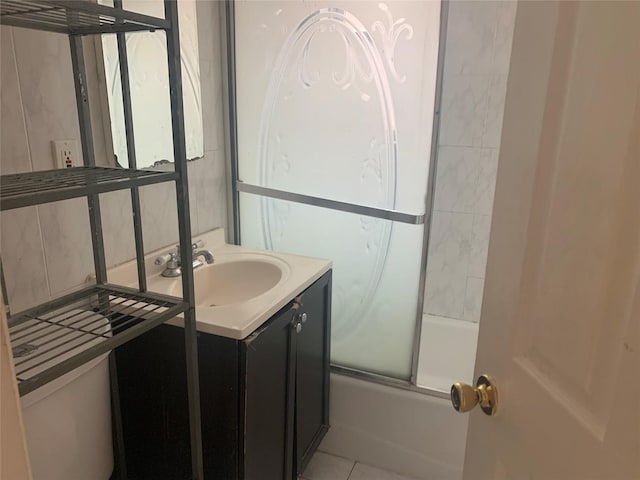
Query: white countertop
{"points": [[234, 320]]}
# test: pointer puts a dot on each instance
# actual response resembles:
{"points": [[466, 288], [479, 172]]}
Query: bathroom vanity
{"points": [[264, 396]]}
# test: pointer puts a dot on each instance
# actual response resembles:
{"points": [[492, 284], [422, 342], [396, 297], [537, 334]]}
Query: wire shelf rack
{"points": [[33, 188], [59, 336], [75, 17]]}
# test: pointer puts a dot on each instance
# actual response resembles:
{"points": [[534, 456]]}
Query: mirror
{"points": [[149, 80]]}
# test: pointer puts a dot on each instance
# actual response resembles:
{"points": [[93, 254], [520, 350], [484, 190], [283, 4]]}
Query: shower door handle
{"points": [[465, 397]]}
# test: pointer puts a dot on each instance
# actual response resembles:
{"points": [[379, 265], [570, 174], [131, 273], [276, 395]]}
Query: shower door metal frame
{"points": [[238, 186]]}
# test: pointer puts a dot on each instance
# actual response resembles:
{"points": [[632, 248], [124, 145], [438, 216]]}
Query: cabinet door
{"points": [[267, 382], [312, 369]]}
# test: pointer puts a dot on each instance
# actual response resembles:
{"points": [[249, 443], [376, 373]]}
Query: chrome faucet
{"points": [[173, 265], [206, 254]]}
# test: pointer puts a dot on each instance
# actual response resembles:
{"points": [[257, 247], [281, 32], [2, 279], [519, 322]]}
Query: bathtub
{"points": [[447, 352], [404, 431]]}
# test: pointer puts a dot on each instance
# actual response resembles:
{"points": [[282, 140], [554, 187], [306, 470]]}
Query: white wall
{"points": [[477, 57], [46, 250]]}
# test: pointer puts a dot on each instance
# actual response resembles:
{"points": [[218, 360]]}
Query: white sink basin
{"points": [[232, 281], [236, 294], [232, 278]]}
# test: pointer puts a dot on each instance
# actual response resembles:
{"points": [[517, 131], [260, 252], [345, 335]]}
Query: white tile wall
{"points": [[14, 147], [66, 236], [47, 249], [159, 215], [492, 129], [486, 185], [506, 12], [23, 258], [46, 79], [477, 56], [449, 250], [479, 245], [470, 36], [473, 299], [456, 179], [465, 99], [210, 188], [117, 219]]}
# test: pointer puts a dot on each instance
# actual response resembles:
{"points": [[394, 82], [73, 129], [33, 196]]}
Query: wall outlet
{"points": [[65, 153]]}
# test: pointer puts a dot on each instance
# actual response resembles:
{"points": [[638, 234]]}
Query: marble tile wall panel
{"points": [[470, 37], [20, 236], [211, 57], [14, 146], [486, 185], [479, 245], [159, 215], [465, 100], [23, 258], [447, 263], [66, 237], [473, 299], [479, 36], [492, 129], [117, 227], [211, 191], [48, 95], [506, 14], [456, 179], [194, 181]]}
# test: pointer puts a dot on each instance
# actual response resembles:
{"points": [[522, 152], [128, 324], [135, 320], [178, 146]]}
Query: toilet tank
{"points": [[67, 421]]}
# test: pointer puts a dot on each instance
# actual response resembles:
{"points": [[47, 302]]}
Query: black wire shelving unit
{"points": [[76, 17], [25, 189], [58, 336], [80, 326]]}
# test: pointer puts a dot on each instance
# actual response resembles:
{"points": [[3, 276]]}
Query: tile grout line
{"points": [[352, 469]]}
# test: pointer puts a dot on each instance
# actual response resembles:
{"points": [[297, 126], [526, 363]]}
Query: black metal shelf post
{"points": [[60, 335], [184, 226]]}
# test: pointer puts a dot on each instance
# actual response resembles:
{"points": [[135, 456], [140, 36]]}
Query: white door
{"points": [[561, 312]]}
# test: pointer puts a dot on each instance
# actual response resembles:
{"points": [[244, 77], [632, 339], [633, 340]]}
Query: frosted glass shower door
{"points": [[334, 110]]}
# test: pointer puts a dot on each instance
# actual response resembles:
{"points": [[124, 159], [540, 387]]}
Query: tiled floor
{"points": [[329, 467]]}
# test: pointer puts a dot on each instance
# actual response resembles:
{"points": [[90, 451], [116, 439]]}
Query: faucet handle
{"points": [[194, 246], [166, 258]]}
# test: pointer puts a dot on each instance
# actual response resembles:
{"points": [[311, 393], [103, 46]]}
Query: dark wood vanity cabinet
{"points": [[264, 399]]}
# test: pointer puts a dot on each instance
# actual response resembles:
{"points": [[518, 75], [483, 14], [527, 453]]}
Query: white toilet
{"points": [[68, 421]]}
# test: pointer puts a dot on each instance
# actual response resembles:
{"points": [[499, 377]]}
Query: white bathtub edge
{"points": [[402, 431]]}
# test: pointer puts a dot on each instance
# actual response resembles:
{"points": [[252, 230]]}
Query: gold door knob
{"points": [[464, 397]]}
